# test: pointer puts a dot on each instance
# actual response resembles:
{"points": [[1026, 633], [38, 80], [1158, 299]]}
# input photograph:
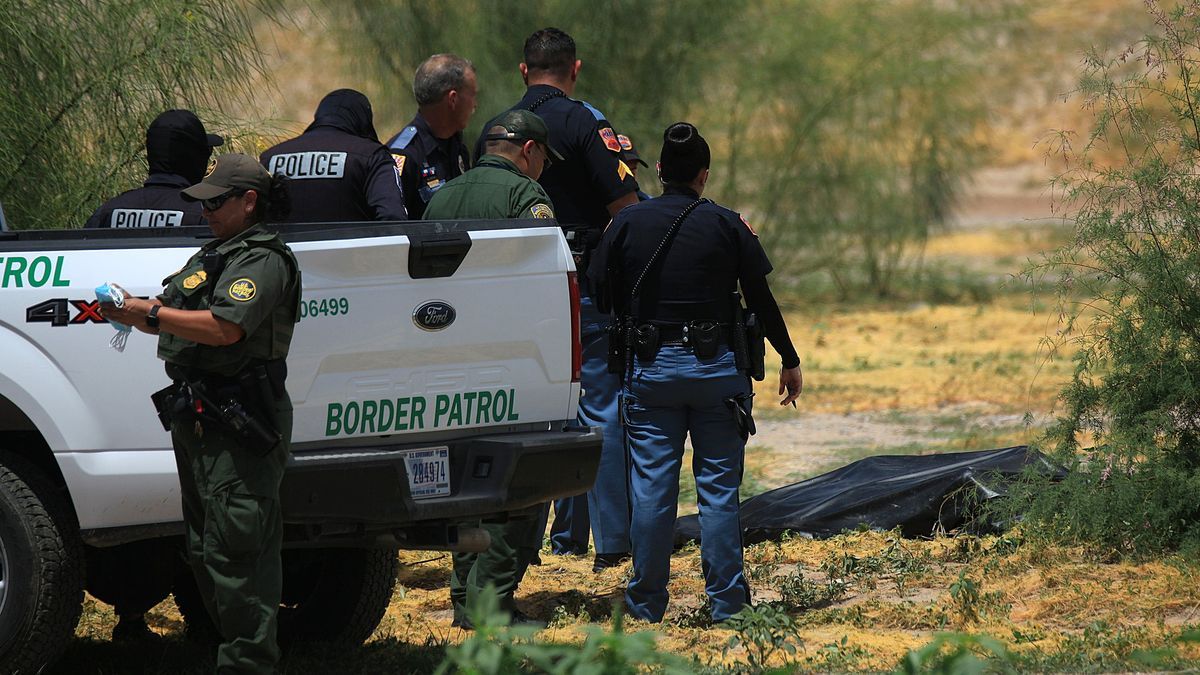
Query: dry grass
{"points": [[940, 368]]}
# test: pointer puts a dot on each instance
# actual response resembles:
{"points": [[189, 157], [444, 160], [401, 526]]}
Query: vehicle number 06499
{"points": [[324, 307]]}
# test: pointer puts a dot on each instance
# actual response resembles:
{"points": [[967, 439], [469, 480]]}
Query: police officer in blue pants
{"points": [[670, 269], [590, 185]]}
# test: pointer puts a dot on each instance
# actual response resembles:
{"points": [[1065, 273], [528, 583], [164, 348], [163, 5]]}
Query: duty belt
{"points": [[677, 334]]}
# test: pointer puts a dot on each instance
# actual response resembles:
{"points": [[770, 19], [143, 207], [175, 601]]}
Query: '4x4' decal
{"points": [[57, 312]]}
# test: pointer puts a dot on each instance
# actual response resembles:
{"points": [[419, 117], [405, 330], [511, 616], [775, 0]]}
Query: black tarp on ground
{"points": [[918, 493]]}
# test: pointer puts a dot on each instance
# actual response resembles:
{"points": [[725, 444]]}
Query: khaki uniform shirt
{"points": [[258, 289], [495, 188]]}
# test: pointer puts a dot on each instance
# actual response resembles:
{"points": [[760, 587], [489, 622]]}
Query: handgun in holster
{"points": [[231, 412]]}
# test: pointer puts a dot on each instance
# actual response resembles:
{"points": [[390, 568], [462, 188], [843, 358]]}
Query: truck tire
{"points": [[41, 568], [333, 596]]}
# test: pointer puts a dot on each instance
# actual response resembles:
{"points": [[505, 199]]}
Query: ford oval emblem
{"points": [[434, 315]]}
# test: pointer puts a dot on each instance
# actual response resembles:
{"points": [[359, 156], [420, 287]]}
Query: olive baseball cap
{"points": [[234, 171], [522, 125]]}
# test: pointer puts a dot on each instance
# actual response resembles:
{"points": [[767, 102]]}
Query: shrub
{"points": [[1130, 297]]}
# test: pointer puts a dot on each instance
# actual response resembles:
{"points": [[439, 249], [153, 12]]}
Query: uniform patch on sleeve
{"points": [[622, 170], [242, 290], [399, 160], [747, 225], [626, 144], [610, 139], [195, 280], [541, 211]]}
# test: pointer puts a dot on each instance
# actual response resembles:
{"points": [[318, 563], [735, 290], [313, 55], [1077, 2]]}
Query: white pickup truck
{"points": [[435, 378]]}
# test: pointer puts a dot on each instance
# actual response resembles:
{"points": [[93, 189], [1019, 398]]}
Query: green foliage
{"points": [[895, 563], [764, 630], [641, 61], [84, 79], [843, 129], [1134, 257], [497, 648], [958, 654], [849, 143]]}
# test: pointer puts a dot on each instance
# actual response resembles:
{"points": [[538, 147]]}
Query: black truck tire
{"points": [[331, 596], [41, 568]]}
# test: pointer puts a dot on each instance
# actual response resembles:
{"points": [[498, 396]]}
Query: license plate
{"points": [[428, 472]]}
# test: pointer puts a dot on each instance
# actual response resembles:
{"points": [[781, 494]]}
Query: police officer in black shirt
{"points": [[177, 149], [339, 170], [669, 268], [430, 150], [588, 187]]}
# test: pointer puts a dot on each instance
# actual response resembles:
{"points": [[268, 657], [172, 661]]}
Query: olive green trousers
{"points": [[235, 534], [503, 565]]}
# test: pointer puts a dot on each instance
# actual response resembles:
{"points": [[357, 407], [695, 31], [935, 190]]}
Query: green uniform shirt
{"points": [[258, 289], [495, 188]]}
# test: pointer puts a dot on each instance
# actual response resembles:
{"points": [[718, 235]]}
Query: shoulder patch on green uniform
{"points": [[541, 211], [242, 290]]}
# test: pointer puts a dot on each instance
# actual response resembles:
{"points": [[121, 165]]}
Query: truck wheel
{"points": [[41, 568], [335, 595]]}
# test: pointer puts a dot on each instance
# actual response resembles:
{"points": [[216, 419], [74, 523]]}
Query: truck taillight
{"points": [[576, 344]]}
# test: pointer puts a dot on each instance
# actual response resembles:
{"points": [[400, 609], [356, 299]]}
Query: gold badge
{"points": [[399, 160], [242, 290], [195, 280], [541, 211]]}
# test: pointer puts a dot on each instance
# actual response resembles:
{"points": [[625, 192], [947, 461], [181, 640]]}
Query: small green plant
{"points": [[801, 593], [496, 648], [966, 594], [958, 654], [763, 630], [837, 656]]}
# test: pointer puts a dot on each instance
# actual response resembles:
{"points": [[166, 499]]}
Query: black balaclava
{"points": [[177, 143], [346, 110], [684, 154]]}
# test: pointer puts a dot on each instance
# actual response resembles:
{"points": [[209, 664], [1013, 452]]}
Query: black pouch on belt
{"points": [[646, 342], [164, 404], [705, 338]]}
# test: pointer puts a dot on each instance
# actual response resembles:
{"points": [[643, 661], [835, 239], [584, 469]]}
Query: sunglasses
{"points": [[219, 201]]}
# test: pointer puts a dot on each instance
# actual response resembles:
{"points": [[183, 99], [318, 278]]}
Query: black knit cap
{"points": [[684, 154]]}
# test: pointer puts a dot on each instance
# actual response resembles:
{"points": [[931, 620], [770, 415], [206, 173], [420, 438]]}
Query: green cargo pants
{"points": [[234, 535], [503, 565]]}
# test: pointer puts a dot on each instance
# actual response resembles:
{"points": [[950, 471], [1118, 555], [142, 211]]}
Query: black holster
{"points": [[749, 348], [742, 408], [230, 407]]}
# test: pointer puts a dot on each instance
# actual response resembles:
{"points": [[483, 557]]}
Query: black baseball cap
{"points": [[234, 171], [523, 125]]}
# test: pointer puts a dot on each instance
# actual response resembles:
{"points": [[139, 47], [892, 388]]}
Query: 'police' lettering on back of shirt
{"points": [[301, 165], [145, 218]]}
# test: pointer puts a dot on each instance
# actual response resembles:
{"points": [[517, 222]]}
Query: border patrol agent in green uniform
{"points": [[503, 184], [225, 323]]}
